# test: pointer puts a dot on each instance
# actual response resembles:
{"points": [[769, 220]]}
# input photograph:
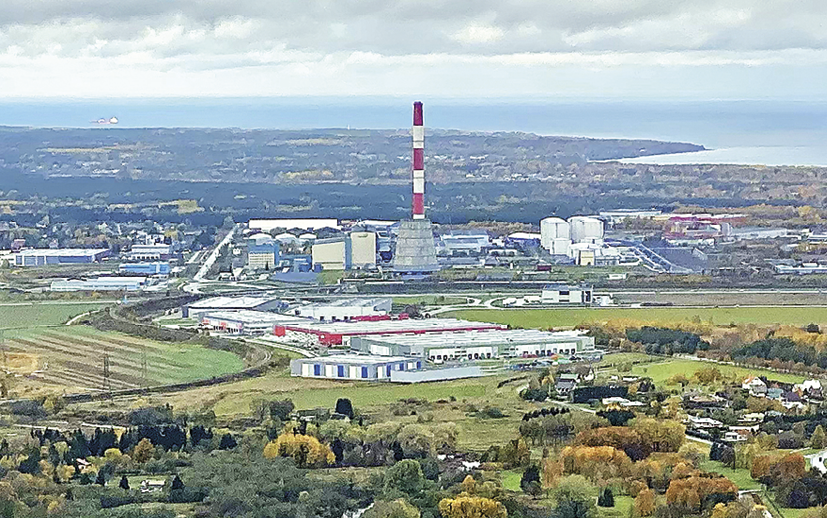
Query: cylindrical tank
{"points": [[551, 229], [585, 229]]}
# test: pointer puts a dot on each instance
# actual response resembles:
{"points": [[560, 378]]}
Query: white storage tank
{"points": [[585, 229], [552, 229], [560, 246]]}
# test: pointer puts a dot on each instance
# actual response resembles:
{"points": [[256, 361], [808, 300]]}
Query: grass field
{"points": [[72, 357], [741, 477], [660, 372], [41, 314], [569, 317]]}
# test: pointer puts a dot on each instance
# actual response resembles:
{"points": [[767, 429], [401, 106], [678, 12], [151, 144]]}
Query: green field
{"points": [[569, 317], [42, 314], [72, 357], [660, 372], [741, 477]]}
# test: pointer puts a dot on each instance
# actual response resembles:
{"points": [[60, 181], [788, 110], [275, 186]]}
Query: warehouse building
{"points": [[352, 367], [567, 294], [155, 268], [100, 284], [476, 345], [246, 322], [198, 309], [346, 309], [337, 333], [59, 256]]}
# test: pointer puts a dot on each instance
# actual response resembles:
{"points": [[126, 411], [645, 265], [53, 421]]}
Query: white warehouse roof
{"points": [[356, 359], [479, 338], [394, 326], [247, 316], [231, 302]]}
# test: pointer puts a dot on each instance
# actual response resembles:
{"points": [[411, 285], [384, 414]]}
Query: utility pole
{"points": [[107, 386]]}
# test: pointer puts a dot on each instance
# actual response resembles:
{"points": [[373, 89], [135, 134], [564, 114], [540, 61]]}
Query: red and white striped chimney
{"points": [[418, 134]]}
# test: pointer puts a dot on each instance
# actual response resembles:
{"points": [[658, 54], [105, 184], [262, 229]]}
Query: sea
{"points": [[768, 132]]}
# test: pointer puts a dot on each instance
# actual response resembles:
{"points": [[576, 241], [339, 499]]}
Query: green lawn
{"points": [[622, 508], [511, 480], [660, 372], [741, 477], [42, 314], [569, 317]]}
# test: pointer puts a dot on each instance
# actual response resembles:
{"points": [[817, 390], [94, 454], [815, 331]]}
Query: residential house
{"points": [[755, 386]]}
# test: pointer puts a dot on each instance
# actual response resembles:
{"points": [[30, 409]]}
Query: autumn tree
{"points": [[305, 450], [471, 507], [645, 503], [818, 439], [143, 451], [394, 509]]}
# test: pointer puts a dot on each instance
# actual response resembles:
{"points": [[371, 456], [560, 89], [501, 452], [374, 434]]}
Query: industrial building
{"points": [[337, 333], [585, 229], [245, 321], [199, 308], [262, 252], [155, 252], [59, 256], [154, 268], [352, 367], [555, 236], [354, 250], [345, 309], [567, 294], [100, 284], [476, 345], [266, 225], [463, 244]]}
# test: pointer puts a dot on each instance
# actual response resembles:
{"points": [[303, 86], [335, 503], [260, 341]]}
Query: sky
{"points": [[573, 49]]}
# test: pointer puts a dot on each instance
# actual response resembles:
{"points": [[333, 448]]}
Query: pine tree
{"points": [[177, 483], [100, 479], [228, 442], [606, 498], [124, 483]]}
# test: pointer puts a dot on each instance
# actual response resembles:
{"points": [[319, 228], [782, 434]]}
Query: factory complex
{"points": [[313, 334], [346, 309], [59, 256], [245, 321], [198, 309], [476, 345]]}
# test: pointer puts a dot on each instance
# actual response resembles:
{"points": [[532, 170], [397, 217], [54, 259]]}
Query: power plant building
{"points": [[363, 249], [266, 225], [585, 229], [555, 235], [345, 252], [476, 345]]}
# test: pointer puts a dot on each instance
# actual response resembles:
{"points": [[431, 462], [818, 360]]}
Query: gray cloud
{"points": [[389, 45]]}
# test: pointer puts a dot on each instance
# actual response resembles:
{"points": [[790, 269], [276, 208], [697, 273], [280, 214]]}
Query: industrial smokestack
{"points": [[418, 134]]}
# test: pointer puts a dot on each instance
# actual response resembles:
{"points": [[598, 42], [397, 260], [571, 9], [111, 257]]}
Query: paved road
{"points": [[205, 268]]}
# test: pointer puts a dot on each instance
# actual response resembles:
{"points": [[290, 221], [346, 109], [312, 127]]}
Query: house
{"points": [[703, 422], [755, 386], [736, 436], [775, 393], [566, 382], [753, 418], [810, 389]]}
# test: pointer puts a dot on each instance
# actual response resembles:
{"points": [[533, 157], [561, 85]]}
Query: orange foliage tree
{"points": [[695, 491]]}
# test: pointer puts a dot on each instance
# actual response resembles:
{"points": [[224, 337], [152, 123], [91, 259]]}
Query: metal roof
{"points": [[231, 302], [481, 338], [392, 326], [356, 359]]}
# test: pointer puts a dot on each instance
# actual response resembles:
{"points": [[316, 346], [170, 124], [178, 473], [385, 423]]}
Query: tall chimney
{"points": [[418, 134]]}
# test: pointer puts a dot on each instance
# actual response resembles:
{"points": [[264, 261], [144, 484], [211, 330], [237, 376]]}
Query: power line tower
{"points": [[107, 384]]}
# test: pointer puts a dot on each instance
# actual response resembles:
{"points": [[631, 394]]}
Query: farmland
{"points": [[71, 358], [570, 317], [26, 315]]}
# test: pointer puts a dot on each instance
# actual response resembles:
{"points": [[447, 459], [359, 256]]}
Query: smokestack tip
{"points": [[417, 115]]}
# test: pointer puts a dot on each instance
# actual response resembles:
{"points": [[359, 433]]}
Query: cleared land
{"points": [[570, 317], [660, 372], [72, 357]]}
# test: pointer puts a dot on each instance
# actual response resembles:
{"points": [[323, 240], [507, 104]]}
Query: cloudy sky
{"points": [[450, 48]]}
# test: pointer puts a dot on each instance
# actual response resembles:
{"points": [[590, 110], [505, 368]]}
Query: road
{"points": [[205, 267]]}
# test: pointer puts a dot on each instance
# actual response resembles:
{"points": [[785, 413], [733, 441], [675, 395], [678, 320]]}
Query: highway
{"points": [[205, 267]]}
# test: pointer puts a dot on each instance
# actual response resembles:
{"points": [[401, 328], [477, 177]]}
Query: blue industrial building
{"points": [[156, 268]]}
